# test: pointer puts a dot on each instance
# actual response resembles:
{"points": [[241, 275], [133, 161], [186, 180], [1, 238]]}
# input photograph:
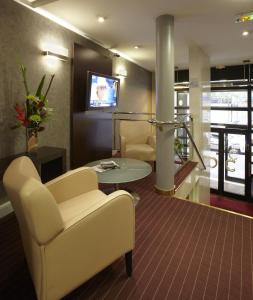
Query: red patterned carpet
{"points": [[183, 251]]}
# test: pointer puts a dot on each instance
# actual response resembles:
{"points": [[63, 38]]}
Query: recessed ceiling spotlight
{"points": [[245, 33], [101, 19], [136, 47]]}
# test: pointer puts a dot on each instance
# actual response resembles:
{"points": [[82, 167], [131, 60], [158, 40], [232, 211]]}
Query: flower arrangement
{"points": [[35, 111]]}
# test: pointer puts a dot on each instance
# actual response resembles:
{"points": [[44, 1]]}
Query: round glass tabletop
{"points": [[129, 170]]}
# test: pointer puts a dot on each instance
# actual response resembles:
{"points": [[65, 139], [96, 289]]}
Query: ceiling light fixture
{"points": [[245, 33], [101, 19], [245, 17], [136, 47]]}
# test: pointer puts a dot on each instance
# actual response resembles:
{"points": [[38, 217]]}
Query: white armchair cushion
{"points": [[37, 203], [73, 184], [79, 207], [137, 140], [140, 151], [91, 243], [70, 229]]}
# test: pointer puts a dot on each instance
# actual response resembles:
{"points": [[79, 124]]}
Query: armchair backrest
{"points": [[36, 210], [135, 132]]}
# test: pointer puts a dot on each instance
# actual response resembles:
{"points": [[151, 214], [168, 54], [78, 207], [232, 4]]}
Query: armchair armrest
{"points": [[93, 242], [73, 183], [152, 141], [122, 146]]}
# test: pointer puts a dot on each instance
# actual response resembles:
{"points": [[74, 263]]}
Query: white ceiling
{"points": [[207, 23]]}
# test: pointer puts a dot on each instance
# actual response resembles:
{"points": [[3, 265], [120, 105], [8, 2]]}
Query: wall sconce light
{"points": [[54, 52], [55, 55], [121, 73]]}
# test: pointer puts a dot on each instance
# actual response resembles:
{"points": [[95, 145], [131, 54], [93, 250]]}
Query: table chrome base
{"points": [[136, 196]]}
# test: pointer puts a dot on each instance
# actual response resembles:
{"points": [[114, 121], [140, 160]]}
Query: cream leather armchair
{"points": [[137, 140], [70, 229]]}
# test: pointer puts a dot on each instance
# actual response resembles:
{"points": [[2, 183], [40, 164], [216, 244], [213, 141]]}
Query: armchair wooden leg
{"points": [[128, 260]]}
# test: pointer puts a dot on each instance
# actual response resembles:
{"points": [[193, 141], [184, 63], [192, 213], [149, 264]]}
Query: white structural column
{"points": [[199, 73], [165, 102]]}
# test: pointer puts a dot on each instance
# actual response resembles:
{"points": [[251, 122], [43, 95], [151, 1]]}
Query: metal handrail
{"points": [[194, 145], [117, 118], [180, 125], [143, 113]]}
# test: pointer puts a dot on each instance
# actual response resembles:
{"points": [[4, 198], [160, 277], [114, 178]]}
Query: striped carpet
{"points": [[183, 251], [242, 207]]}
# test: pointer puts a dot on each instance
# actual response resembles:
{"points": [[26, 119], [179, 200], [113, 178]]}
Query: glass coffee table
{"points": [[129, 170]]}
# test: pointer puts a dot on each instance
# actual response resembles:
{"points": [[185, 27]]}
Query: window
{"points": [[233, 99], [229, 117]]}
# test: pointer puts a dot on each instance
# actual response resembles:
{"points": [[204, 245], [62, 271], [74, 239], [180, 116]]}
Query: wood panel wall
{"points": [[91, 131]]}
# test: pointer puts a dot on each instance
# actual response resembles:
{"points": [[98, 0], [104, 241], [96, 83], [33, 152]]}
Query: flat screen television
{"points": [[102, 91]]}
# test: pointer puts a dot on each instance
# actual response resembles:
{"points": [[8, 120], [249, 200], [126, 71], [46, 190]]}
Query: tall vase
{"points": [[31, 140]]}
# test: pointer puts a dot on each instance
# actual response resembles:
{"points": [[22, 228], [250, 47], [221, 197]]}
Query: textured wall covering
{"points": [[135, 91], [22, 32], [21, 36]]}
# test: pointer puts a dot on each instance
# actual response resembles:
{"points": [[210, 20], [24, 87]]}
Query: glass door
{"points": [[230, 172], [214, 160], [234, 163]]}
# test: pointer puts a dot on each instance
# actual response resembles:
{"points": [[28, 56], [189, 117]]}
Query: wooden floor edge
{"points": [[177, 187], [214, 207]]}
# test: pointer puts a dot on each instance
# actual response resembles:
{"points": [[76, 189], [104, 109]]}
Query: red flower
{"points": [[20, 114]]}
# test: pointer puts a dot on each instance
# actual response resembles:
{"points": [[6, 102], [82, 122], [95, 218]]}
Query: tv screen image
{"points": [[102, 90]]}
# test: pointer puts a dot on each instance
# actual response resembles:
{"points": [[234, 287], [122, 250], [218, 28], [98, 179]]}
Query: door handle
{"points": [[215, 162], [230, 160]]}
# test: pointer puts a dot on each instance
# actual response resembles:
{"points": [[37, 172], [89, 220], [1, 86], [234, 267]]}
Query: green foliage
{"points": [[35, 118], [178, 146], [40, 87], [36, 110]]}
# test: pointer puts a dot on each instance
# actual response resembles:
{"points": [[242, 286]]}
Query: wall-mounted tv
{"points": [[102, 91]]}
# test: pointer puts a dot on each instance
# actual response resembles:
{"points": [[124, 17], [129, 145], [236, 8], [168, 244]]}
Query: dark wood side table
{"points": [[49, 161]]}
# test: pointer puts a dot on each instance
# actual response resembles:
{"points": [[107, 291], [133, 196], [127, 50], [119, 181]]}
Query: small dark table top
{"points": [[41, 155]]}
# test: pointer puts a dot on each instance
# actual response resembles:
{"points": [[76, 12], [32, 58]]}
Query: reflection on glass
{"points": [[213, 154], [181, 144], [229, 117], [214, 170], [229, 98], [182, 99], [234, 169]]}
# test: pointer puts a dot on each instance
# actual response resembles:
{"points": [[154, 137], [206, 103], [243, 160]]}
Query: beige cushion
{"points": [[70, 230], [140, 151], [137, 140], [79, 207], [73, 183], [135, 132], [41, 211]]}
